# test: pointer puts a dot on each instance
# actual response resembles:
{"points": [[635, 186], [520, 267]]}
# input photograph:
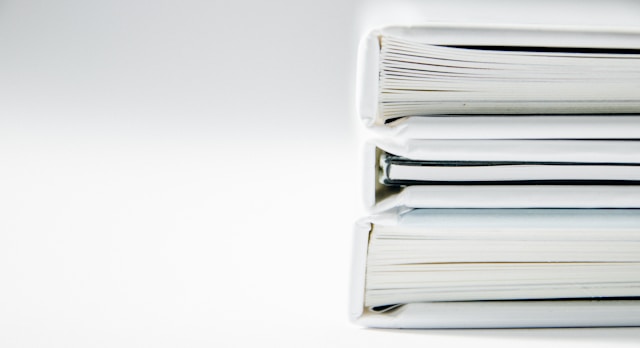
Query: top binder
{"points": [[412, 72]]}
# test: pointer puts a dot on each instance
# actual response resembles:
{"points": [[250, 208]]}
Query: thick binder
{"points": [[467, 74], [578, 312]]}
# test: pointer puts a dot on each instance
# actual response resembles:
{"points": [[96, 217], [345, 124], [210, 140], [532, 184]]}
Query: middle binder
{"points": [[502, 174]]}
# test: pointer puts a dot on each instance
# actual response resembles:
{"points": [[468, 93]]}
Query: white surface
{"points": [[117, 228]]}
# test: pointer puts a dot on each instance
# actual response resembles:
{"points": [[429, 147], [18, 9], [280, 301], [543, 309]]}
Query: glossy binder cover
{"points": [[513, 127], [480, 314]]}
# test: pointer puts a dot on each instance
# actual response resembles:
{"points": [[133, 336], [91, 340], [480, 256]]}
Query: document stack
{"points": [[503, 178]]}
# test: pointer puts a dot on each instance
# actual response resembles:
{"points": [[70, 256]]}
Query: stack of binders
{"points": [[503, 178]]}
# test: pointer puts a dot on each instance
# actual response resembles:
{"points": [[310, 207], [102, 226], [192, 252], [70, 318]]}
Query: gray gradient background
{"points": [[185, 173]]}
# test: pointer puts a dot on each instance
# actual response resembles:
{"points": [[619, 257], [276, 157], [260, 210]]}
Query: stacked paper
{"points": [[502, 177]]}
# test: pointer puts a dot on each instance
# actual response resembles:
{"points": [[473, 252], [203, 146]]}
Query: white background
{"points": [[185, 173]]}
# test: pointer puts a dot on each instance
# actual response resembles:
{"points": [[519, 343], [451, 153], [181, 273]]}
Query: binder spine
{"points": [[367, 78]]}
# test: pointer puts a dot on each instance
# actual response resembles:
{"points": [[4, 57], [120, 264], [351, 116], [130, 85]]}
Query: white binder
{"points": [[477, 314], [369, 86], [380, 197]]}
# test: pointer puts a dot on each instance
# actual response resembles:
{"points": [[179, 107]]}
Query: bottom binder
{"points": [[448, 264]]}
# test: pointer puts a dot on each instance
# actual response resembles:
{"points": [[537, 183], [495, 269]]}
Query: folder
{"points": [[442, 70], [563, 192], [593, 299]]}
